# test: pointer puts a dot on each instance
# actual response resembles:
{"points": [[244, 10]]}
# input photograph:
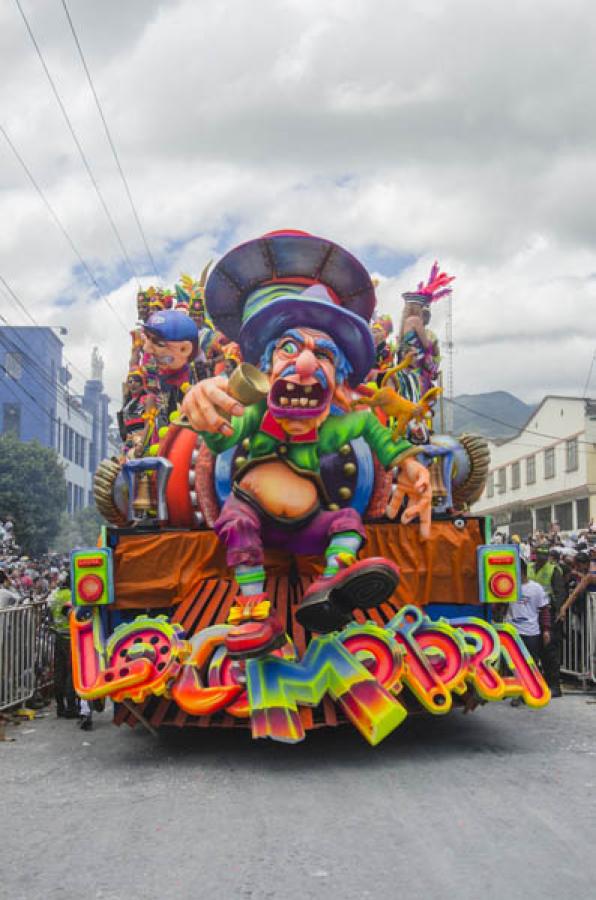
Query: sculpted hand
{"points": [[414, 482], [205, 402]]}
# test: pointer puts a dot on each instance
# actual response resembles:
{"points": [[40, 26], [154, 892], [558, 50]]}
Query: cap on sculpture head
{"points": [[172, 325]]}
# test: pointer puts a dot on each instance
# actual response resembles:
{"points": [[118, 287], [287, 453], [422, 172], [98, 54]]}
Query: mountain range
{"points": [[496, 415]]}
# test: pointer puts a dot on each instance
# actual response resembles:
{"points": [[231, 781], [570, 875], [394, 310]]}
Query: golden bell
{"points": [[142, 502], [248, 385]]}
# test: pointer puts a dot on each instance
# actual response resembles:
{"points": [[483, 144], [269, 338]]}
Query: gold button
{"points": [[282, 449], [246, 444], [350, 468], [345, 493], [345, 450], [239, 461], [333, 507]]}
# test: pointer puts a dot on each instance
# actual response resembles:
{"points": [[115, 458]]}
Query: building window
{"points": [[515, 476], [13, 363], [583, 512], [502, 480], [65, 440], [69, 496], [531, 470], [11, 419], [543, 518], [549, 462], [564, 515], [490, 487], [571, 455]]}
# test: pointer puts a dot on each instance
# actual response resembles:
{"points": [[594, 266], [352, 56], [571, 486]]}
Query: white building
{"points": [[74, 436], [547, 472]]}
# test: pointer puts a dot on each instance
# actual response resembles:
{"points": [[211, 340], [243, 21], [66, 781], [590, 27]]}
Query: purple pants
{"points": [[246, 534]]}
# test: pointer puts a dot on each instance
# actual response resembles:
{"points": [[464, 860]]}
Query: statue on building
{"points": [[97, 365]]}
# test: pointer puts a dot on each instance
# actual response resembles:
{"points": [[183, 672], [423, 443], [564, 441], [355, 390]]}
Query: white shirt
{"points": [[524, 613], [8, 598]]}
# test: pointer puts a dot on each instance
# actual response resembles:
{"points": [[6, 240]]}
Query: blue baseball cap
{"points": [[172, 325]]}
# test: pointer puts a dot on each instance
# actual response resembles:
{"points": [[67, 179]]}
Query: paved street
{"points": [[497, 804]]}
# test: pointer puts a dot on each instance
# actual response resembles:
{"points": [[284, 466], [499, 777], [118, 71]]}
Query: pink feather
{"points": [[436, 286]]}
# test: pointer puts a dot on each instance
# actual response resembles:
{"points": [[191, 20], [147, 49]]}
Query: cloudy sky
{"points": [[403, 129]]}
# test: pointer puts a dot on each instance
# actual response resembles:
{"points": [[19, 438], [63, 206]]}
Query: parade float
{"points": [[291, 542]]}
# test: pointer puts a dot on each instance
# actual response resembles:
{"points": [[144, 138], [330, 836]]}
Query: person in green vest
{"points": [[550, 577], [60, 607]]}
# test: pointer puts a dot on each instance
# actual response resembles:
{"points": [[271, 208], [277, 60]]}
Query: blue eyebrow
{"points": [[320, 344], [324, 344], [295, 335]]}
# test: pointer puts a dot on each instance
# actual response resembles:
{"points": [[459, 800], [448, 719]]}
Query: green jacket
{"points": [[261, 436], [60, 598]]}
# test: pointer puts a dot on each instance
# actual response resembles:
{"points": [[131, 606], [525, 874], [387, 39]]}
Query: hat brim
{"points": [[284, 256], [348, 330]]}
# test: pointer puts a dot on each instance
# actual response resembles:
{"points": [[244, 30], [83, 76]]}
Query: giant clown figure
{"points": [[300, 307]]}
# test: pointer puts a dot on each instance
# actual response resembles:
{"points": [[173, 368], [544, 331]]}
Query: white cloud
{"points": [[430, 128]]}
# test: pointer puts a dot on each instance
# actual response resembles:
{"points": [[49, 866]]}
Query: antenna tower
{"points": [[449, 366]]}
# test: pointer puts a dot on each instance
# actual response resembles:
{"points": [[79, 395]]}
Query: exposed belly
{"points": [[279, 490]]}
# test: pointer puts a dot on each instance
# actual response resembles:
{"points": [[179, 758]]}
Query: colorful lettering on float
{"points": [[364, 669]]}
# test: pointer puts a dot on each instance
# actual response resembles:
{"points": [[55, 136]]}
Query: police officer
{"points": [[60, 606], [550, 577]]}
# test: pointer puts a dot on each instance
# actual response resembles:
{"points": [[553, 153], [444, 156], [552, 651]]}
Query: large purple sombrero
{"points": [[291, 279]]}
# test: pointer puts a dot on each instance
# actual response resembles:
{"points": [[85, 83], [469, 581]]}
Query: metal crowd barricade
{"points": [[579, 642], [26, 653]]}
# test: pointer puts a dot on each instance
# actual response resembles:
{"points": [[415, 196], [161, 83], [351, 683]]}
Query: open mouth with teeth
{"points": [[297, 400]]}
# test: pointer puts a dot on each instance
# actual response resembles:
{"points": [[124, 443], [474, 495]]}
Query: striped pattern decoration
{"points": [[263, 296]]}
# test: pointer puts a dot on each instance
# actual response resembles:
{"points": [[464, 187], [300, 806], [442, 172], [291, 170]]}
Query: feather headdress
{"points": [[436, 287]]}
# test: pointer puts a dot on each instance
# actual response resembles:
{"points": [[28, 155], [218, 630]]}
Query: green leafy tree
{"points": [[32, 492], [80, 530]]}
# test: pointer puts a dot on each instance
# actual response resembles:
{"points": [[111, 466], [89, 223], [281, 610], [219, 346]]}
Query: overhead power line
{"points": [[40, 373], [589, 378], [61, 227], [36, 404], [77, 142], [552, 437], [110, 140], [22, 306], [40, 377]]}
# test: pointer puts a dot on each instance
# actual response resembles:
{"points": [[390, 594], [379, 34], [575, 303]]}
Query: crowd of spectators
{"points": [[559, 572], [23, 579]]}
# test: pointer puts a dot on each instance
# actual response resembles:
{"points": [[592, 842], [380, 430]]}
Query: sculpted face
{"points": [[135, 384], [413, 309], [169, 355], [303, 379], [378, 333]]}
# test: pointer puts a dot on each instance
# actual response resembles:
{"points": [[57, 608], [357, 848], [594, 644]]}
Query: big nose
{"points": [[306, 364]]}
